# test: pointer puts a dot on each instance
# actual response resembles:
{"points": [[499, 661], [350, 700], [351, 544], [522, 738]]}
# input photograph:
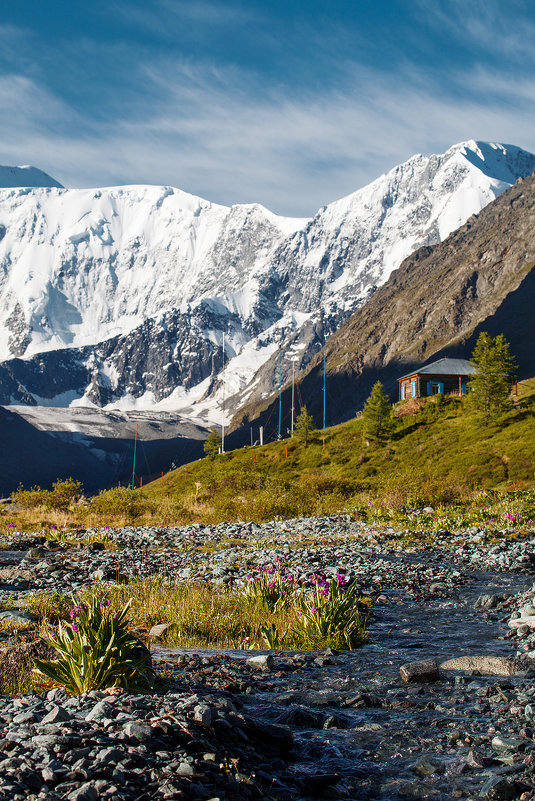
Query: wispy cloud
{"points": [[224, 133]]}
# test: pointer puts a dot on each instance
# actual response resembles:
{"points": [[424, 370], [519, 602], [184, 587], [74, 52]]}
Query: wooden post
{"points": [[286, 451], [141, 482], [323, 443]]}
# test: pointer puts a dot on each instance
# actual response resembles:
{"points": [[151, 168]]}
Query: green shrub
{"points": [[65, 492], [29, 499], [120, 502]]}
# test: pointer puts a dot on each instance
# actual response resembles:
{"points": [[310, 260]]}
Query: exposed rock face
{"points": [[436, 304]]}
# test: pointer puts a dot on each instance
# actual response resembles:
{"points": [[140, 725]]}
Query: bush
{"points": [[29, 499], [120, 502], [65, 492]]}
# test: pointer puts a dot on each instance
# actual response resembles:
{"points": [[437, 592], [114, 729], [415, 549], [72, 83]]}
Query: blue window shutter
{"points": [[429, 387], [413, 389], [402, 388], [463, 388], [441, 387]]}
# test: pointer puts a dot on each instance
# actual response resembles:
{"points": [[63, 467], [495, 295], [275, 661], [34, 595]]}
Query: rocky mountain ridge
{"points": [[435, 304]]}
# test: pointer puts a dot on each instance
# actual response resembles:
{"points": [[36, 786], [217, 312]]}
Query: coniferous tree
{"points": [[212, 444], [304, 426], [377, 414], [490, 386]]}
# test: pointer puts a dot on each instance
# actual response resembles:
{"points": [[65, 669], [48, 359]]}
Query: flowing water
{"points": [[361, 733]]}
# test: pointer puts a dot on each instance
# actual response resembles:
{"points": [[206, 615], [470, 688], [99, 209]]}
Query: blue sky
{"points": [[290, 104]]}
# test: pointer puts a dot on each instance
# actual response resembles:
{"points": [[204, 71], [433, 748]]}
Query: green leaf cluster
{"points": [[95, 651], [332, 613]]}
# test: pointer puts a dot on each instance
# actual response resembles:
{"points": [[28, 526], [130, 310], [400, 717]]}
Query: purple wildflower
{"points": [[104, 602], [75, 627]]}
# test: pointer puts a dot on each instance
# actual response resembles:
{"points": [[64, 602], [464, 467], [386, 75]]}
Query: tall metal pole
{"points": [[223, 421], [324, 381], [280, 394], [293, 397], [134, 465]]}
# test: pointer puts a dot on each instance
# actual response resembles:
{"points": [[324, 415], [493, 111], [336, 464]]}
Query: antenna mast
{"points": [[134, 465], [293, 398], [280, 394], [223, 421], [324, 381]]}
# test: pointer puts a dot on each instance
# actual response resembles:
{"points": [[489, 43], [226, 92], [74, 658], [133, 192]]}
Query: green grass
{"points": [[201, 615]]}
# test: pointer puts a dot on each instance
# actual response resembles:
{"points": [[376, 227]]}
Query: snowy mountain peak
{"points": [[121, 295], [25, 176]]}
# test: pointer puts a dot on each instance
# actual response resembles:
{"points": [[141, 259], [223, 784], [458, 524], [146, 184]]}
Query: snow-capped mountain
{"points": [[26, 176], [121, 296]]}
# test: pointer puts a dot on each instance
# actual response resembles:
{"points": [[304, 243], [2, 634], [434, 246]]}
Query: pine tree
{"points": [[304, 426], [377, 414], [490, 386], [212, 444]]}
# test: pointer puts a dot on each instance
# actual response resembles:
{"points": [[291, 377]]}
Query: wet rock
{"points": [[425, 670], [490, 665], [497, 788]]}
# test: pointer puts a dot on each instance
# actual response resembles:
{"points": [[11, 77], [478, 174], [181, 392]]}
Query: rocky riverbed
{"points": [[295, 725]]}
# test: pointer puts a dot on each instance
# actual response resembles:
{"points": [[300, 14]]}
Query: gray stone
{"points": [[425, 670], [16, 617], [263, 662], [86, 792], [138, 731], [185, 769], [160, 630], [100, 711], [57, 715], [491, 665], [203, 714], [506, 743]]}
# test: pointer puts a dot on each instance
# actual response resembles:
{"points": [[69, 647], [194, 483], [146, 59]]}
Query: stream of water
{"points": [[359, 732]]}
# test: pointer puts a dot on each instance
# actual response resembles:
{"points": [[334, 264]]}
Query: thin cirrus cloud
{"points": [[222, 133]]}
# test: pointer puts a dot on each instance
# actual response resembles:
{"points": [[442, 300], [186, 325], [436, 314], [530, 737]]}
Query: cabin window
{"points": [[413, 389], [403, 392]]}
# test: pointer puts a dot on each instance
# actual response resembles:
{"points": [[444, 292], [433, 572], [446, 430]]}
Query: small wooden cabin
{"points": [[443, 377]]}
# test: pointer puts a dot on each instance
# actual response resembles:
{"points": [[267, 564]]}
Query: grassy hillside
{"points": [[439, 457]]}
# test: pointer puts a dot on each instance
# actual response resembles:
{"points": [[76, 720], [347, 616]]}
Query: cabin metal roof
{"points": [[444, 367]]}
